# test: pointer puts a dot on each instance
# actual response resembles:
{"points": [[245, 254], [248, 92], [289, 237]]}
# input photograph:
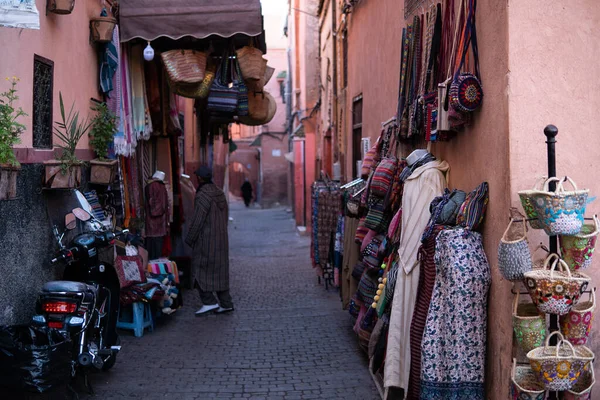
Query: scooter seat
{"points": [[65, 286]]}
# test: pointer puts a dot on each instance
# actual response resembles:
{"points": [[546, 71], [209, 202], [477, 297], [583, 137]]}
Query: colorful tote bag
{"points": [[223, 96], [526, 201], [524, 384], [577, 324], [577, 250], [529, 325], [514, 256]]}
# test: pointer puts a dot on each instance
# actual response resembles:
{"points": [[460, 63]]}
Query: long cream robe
{"points": [[424, 184]]}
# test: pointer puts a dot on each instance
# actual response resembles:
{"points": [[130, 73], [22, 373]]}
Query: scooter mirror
{"points": [[70, 221], [81, 214]]}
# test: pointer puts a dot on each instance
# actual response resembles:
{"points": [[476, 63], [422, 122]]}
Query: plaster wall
{"points": [[553, 61], [64, 39], [278, 60]]}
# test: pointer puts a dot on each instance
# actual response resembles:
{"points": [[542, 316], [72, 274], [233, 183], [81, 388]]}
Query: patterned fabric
{"points": [[558, 294], [454, 341], [417, 326], [367, 287], [327, 207], [377, 218], [529, 326], [208, 237], [473, 209], [163, 267], [130, 270], [142, 125], [577, 324], [383, 177], [361, 231], [577, 251], [157, 209], [351, 254], [338, 247]]}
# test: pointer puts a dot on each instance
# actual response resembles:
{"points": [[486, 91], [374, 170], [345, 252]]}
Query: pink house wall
{"points": [[63, 39]]}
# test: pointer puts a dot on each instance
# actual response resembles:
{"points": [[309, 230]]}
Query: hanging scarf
{"points": [[139, 103], [124, 141], [407, 172]]}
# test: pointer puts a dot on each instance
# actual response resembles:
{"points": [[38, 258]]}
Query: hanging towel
{"points": [[139, 104], [130, 138]]}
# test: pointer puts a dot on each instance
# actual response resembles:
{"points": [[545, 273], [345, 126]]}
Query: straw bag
{"points": [[560, 212], [258, 86], [524, 384], [529, 325], [530, 212], [184, 66], [252, 63], [559, 367], [577, 324], [577, 250], [514, 256], [555, 292], [582, 390]]}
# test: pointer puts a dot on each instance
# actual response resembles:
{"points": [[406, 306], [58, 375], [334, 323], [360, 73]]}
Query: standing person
{"points": [[208, 238], [247, 192]]}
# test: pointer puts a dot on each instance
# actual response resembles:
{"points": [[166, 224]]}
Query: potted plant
{"points": [[102, 132], [66, 171], [60, 7], [102, 27], [10, 134]]}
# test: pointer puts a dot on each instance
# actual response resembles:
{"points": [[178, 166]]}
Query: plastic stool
{"points": [[136, 317]]}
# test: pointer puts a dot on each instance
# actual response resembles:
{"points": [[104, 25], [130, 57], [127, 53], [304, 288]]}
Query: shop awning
{"points": [[151, 19]]}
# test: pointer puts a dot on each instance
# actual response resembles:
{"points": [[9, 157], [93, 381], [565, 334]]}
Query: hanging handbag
{"points": [[184, 66], [577, 324], [524, 383], [223, 96], [252, 63], [242, 106], [529, 325], [514, 256], [526, 201], [466, 92]]}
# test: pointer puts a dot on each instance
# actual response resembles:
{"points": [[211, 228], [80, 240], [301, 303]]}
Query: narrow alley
{"points": [[287, 338]]}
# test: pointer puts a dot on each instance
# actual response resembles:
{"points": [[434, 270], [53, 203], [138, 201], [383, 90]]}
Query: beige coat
{"points": [[425, 183]]}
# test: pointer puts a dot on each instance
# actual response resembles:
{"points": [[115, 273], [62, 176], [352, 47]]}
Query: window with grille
{"points": [[356, 133], [43, 79]]}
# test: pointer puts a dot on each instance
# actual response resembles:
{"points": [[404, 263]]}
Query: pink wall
{"points": [[63, 39], [278, 60], [553, 63]]}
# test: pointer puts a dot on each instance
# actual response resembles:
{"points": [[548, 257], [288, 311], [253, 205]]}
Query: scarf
{"points": [[142, 127], [407, 172]]}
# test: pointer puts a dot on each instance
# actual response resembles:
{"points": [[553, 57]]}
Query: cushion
{"points": [[130, 270], [472, 211]]}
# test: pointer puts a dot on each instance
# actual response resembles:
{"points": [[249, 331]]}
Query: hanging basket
{"points": [[577, 324], [184, 66], [525, 196], [60, 7], [560, 212], [582, 390], [555, 292], [577, 250], [514, 256], [524, 384], [559, 367], [529, 325], [101, 29], [252, 63]]}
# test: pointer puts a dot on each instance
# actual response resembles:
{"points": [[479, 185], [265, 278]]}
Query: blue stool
{"points": [[136, 317]]}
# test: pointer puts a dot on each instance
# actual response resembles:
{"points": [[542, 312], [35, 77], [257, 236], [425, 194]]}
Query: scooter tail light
{"points": [[59, 307], [55, 324]]}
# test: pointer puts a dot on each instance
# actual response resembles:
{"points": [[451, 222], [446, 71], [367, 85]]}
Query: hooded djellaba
{"points": [[208, 238]]}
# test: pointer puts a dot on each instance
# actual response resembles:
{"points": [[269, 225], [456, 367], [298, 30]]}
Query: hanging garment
{"points": [[422, 186], [142, 125], [351, 254], [417, 326], [157, 209], [454, 342]]}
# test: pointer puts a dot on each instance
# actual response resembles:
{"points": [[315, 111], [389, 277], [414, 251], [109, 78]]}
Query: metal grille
{"points": [[410, 6], [43, 79]]}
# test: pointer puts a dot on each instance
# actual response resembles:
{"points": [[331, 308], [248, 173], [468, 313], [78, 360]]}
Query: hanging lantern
{"points": [[61, 7], [148, 53]]}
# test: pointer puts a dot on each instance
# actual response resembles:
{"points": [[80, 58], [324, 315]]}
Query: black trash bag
{"points": [[33, 359]]}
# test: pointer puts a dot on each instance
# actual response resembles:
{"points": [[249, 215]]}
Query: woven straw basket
{"points": [[525, 196], [555, 292], [577, 324], [514, 256], [560, 212], [524, 384], [529, 325], [582, 390], [185, 66], [577, 250], [252, 63], [559, 367]]}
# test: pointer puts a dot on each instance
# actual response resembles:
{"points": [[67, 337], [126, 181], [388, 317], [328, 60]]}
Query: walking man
{"points": [[247, 192], [208, 238]]}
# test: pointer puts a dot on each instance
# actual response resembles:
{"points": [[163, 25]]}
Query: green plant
{"points": [[104, 127], [10, 129], [69, 131]]}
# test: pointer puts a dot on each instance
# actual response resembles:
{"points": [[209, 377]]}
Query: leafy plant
{"points": [[69, 131], [10, 129], [104, 127]]}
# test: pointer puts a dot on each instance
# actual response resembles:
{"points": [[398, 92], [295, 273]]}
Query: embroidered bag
{"points": [[514, 256], [472, 211], [223, 96], [529, 325], [577, 324], [383, 177], [372, 257], [582, 390], [526, 201], [377, 219], [367, 288], [524, 383], [577, 250]]}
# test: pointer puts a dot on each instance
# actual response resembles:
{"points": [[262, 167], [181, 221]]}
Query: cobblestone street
{"points": [[287, 338]]}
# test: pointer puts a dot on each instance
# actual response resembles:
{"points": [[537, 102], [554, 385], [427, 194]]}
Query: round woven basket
{"points": [[252, 64], [582, 390], [559, 367], [524, 382]]}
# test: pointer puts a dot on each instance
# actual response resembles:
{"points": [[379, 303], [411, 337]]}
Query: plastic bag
{"points": [[33, 359]]}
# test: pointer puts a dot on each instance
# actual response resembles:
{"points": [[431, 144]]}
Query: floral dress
{"points": [[454, 341]]}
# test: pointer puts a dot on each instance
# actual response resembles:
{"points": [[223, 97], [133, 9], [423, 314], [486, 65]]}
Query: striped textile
{"points": [[163, 267], [383, 177], [97, 211], [377, 218], [472, 211], [417, 327]]}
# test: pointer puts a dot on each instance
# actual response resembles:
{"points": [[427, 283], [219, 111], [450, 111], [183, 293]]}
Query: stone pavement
{"points": [[287, 338]]}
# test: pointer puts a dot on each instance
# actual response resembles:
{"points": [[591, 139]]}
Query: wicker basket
{"points": [[577, 324], [559, 367], [577, 250], [258, 86], [555, 292], [582, 390], [185, 66], [525, 196], [252, 64], [101, 29], [529, 325], [524, 384], [267, 108]]}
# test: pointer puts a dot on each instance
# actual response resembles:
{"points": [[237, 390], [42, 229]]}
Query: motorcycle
{"points": [[84, 306]]}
